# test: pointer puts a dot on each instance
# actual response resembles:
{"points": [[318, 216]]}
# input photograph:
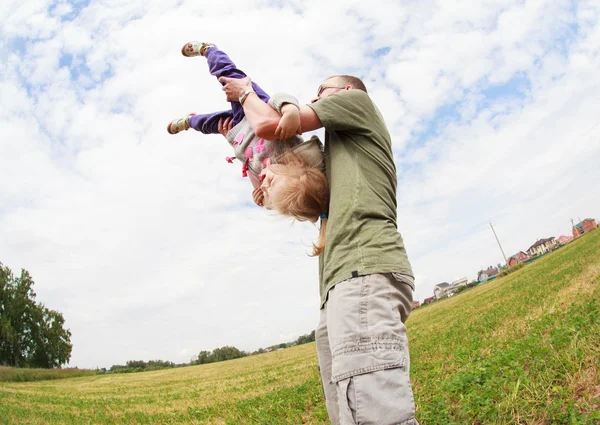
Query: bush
{"points": [[305, 339], [511, 269], [467, 286], [133, 366]]}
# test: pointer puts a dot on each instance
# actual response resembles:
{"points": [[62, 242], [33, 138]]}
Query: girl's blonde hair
{"points": [[306, 195]]}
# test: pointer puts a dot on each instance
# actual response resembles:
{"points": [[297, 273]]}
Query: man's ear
{"points": [[348, 87]]}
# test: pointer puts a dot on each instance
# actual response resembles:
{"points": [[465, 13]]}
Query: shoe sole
{"points": [[191, 46], [169, 130]]}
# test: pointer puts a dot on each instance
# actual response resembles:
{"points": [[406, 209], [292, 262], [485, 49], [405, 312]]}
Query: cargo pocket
{"points": [[381, 397], [371, 374]]}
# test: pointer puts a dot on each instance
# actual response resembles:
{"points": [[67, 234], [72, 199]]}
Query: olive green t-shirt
{"points": [[362, 232]]}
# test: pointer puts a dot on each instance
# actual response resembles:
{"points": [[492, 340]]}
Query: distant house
{"points": [[584, 226], [460, 282], [519, 257], [440, 290], [562, 239], [429, 300], [416, 304], [542, 246], [446, 289], [463, 281], [484, 275]]}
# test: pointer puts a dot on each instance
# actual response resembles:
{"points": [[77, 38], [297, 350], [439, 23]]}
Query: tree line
{"points": [[141, 366], [230, 353], [204, 357]]}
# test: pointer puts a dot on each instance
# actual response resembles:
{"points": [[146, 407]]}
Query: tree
{"points": [[136, 364], [159, 364], [227, 353], [31, 335], [204, 357], [304, 339]]}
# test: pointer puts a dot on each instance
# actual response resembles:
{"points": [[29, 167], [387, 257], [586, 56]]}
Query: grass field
{"points": [[522, 349]]}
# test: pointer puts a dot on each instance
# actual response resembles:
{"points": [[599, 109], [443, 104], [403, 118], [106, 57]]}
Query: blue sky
{"points": [[143, 239]]}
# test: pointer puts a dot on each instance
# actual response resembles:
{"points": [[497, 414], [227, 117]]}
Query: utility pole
{"points": [[497, 240], [573, 228]]}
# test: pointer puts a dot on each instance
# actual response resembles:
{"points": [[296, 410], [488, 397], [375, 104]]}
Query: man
{"points": [[366, 280]]}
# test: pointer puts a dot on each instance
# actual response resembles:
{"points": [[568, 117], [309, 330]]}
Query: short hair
{"points": [[350, 80]]}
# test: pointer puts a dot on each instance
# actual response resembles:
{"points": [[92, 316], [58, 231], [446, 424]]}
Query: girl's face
{"points": [[271, 184]]}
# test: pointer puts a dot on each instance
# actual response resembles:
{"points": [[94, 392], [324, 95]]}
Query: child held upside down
{"points": [[287, 173]]}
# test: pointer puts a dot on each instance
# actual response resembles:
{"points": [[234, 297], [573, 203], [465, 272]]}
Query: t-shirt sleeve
{"points": [[345, 110]]}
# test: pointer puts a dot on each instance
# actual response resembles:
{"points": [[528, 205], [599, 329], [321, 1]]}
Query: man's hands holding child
{"points": [[235, 87], [289, 124]]}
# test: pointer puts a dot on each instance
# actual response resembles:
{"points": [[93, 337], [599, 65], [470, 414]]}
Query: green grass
{"points": [[521, 349]]}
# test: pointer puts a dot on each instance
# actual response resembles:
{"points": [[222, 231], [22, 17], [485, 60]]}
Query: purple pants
{"points": [[220, 65]]}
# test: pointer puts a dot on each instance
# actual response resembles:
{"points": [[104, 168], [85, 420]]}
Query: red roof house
{"points": [[584, 226], [519, 257]]}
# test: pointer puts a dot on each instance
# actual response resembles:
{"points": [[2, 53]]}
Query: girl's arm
{"points": [[289, 124]]}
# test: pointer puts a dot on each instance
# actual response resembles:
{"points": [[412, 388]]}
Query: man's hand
{"points": [[258, 196], [235, 87], [225, 126], [289, 124]]}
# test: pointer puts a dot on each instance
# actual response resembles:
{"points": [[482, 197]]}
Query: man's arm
{"points": [[309, 120], [263, 118]]}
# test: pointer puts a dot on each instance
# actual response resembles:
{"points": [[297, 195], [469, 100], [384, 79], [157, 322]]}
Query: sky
{"points": [[149, 243]]}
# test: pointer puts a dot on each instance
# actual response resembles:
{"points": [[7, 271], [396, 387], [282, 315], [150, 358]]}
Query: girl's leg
{"points": [[208, 123], [220, 65]]}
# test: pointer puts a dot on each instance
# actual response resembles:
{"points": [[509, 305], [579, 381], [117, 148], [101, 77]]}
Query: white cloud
{"points": [[149, 243]]}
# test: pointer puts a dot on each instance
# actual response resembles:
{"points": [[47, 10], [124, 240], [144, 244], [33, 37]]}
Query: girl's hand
{"points": [[225, 126], [289, 124], [258, 196]]}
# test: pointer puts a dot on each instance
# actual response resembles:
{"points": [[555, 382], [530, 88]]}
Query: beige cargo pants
{"points": [[363, 351]]}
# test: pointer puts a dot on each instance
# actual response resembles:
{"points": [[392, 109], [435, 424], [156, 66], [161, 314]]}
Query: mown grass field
{"points": [[522, 349]]}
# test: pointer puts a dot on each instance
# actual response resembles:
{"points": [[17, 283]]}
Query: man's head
{"points": [[338, 83]]}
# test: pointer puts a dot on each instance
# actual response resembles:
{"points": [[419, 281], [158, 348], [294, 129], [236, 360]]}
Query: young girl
{"points": [[287, 175]]}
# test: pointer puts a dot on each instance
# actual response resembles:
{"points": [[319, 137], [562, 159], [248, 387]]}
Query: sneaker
{"points": [[179, 124], [195, 48]]}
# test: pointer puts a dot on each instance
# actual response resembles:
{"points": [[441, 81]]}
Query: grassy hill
{"points": [[522, 349]]}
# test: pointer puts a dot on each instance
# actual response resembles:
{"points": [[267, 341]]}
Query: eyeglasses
{"points": [[322, 88]]}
